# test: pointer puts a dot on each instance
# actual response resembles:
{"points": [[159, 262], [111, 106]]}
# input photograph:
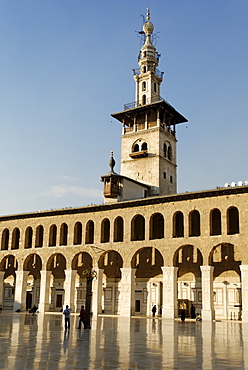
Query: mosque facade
{"points": [[147, 244]]}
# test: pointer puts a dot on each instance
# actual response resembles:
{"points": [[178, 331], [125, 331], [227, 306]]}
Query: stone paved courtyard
{"points": [[40, 342]]}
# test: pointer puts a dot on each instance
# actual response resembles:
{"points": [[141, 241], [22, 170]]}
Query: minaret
{"points": [[147, 77], [149, 126]]}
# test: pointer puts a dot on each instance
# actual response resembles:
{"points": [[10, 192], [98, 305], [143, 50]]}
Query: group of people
{"points": [[82, 318]]}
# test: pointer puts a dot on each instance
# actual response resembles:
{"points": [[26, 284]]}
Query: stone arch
{"points": [[118, 229], [138, 228], [63, 234], [57, 264], [15, 238], [78, 228], [157, 226], [148, 262], [105, 230], [33, 264], [5, 240], [111, 262], [224, 257], [232, 220], [39, 236], [82, 261], [52, 236], [178, 225], [194, 223], [9, 265], [215, 222], [28, 238], [89, 235], [188, 259]]}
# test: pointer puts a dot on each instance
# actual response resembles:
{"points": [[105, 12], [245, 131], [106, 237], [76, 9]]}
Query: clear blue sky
{"points": [[66, 66]]}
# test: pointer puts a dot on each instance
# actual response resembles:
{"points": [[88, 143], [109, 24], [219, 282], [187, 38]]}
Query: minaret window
{"points": [[144, 146], [144, 86], [155, 87], [136, 148], [165, 150], [144, 54], [169, 153], [144, 99], [144, 69]]}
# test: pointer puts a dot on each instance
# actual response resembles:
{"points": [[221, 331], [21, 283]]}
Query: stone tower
{"points": [[148, 153]]}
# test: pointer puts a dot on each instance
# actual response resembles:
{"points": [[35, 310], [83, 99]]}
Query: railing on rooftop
{"points": [[136, 104], [136, 71]]}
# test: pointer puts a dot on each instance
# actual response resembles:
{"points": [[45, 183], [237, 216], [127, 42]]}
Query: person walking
{"points": [[67, 313], [82, 317], [154, 310]]}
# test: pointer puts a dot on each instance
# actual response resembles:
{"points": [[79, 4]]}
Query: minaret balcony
{"points": [[136, 72], [111, 190], [139, 103]]}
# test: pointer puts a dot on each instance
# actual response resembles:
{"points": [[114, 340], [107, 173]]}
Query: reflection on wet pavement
{"points": [[40, 342]]}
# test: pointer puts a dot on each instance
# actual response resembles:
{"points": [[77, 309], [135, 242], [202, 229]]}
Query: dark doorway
{"points": [[137, 305], [29, 297]]}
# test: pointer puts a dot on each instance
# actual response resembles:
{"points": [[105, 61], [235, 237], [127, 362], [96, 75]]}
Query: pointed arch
{"points": [[5, 240], [178, 225], [215, 222], [39, 236], [63, 234], [15, 238], [52, 236], [89, 235], [105, 230], [28, 237]]}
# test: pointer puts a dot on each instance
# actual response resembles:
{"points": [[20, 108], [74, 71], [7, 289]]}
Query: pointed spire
{"points": [[148, 13]]}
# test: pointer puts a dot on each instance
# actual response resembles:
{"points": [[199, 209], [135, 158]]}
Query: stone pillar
{"points": [[20, 290], [169, 310], [45, 277], [207, 293], [127, 291], [158, 119], [69, 287], [97, 292], [244, 291], [1, 287]]}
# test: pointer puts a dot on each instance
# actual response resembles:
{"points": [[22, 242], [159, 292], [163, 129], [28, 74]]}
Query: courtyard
{"points": [[40, 342]]}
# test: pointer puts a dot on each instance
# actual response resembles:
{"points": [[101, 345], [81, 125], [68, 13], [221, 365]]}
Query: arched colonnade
{"points": [[133, 286]]}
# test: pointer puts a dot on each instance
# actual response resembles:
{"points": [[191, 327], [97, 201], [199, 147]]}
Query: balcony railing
{"points": [[136, 104], [136, 71]]}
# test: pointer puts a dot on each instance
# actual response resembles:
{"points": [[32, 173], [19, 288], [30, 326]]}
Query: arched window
{"points": [[178, 225], [15, 238], [143, 86], [144, 146], [165, 150], [77, 233], [28, 237], [39, 236], [144, 69], [89, 235], [157, 226], [136, 148], [169, 153], [105, 229], [232, 221], [144, 54], [118, 229], [5, 240], [138, 228], [194, 223], [52, 236], [63, 234], [144, 99], [215, 222]]}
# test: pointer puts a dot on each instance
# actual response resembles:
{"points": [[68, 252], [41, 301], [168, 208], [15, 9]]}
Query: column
{"points": [[97, 292], [45, 277], [20, 290], [158, 119], [69, 287], [244, 291], [1, 287], [169, 310], [127, 291], [207, 293]]}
